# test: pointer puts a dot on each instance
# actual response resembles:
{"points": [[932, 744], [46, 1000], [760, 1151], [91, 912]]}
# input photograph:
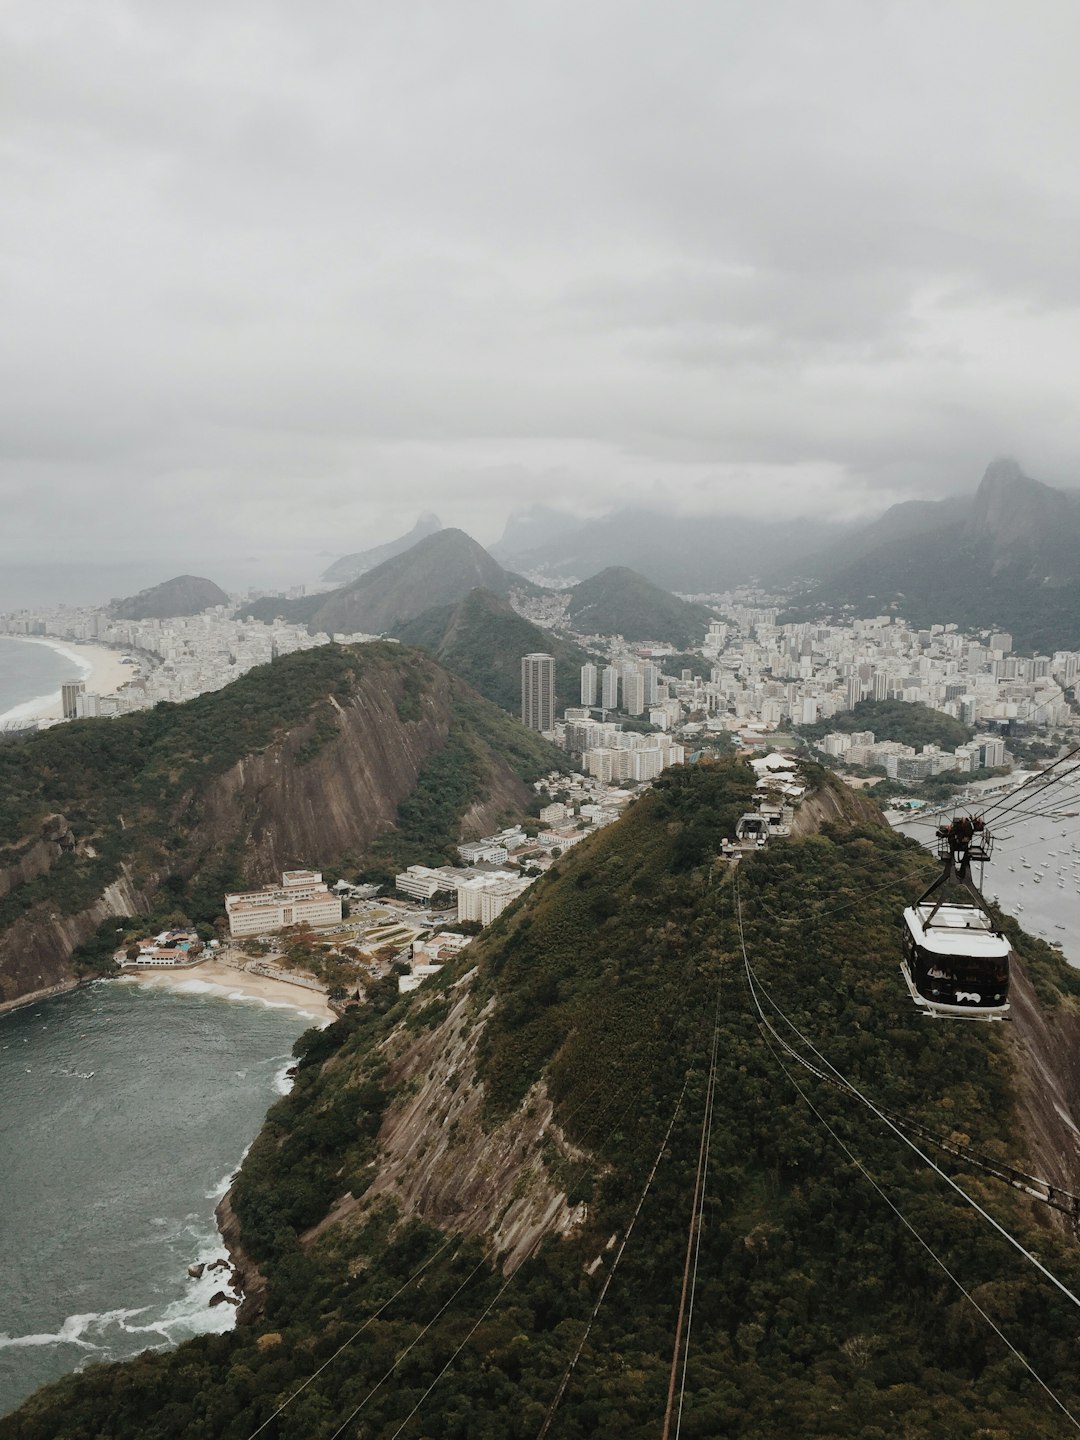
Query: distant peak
{"points": [[1003, 471]]}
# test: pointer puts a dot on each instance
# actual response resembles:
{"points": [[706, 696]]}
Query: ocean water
{"points": [[124, 1111], [29, 672]]}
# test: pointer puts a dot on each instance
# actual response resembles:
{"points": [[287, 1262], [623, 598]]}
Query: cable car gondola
{"points": [[956, 960]]}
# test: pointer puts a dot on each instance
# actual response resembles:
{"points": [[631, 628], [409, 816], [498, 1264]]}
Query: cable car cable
{"points": [[853, 1158], [488, 1255], [451, 1239], [693, 1237], [927, 1160], [614, 1266]]}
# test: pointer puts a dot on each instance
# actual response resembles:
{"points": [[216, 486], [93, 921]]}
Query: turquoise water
{"points": [[124, 1111]]}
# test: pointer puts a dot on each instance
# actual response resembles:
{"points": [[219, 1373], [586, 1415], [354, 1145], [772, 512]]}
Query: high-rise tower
{"points": [[538, 691]]}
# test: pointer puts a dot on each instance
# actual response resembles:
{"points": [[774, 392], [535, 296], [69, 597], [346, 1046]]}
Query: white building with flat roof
{"points": [[300, 899]]}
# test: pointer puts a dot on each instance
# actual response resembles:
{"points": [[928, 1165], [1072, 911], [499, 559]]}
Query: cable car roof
{"points": [[957, 930]]}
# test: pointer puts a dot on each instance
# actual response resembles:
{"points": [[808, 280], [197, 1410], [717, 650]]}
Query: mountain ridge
{"points": [[439, 570], [483, 639], [350, 567]]}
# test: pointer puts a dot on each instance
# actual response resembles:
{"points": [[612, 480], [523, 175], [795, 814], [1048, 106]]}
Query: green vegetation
{"points": [[908, 722], [483, 639], [428, 822], [817, 1313], [622, 602]]}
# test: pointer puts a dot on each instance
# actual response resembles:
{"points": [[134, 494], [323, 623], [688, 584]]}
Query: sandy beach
{"points": [[97, 665], [235, 984]]}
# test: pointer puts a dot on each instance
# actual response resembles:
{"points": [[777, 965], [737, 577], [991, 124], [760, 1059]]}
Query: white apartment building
{"points": [[300, 899], [563, 839], [422, 882], [609, 698], [589, 678], [485, 897]]}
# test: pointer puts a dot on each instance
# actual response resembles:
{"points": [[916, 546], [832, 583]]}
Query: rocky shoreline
{"points": [[247, 1279]]}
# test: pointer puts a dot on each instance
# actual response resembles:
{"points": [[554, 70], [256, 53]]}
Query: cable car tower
{"points": [[956, 960]]}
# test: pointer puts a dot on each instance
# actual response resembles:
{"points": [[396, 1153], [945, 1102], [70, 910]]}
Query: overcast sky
{"points": [[280, 277]]}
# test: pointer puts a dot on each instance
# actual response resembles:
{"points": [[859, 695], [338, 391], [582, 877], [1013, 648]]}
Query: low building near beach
{"points": [[170, 948], [301, 899]]}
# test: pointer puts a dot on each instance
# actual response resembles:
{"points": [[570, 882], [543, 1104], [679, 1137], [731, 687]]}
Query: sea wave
{"points": [[186, 1315]]}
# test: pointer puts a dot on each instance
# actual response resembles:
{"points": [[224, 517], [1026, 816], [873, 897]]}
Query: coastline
{"points": [[97, 665], [34, 997], [232, 983]]}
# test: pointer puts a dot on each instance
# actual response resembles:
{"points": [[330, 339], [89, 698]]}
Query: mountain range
{"points": [[695, 554], [1006, 558], [439, 572]]}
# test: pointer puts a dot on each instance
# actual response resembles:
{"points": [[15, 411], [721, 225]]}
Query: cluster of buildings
{"points": [[175, 659], [903, 762], [777, 675], [611, 754], [167, 950], [480, 895], [301, 899]]}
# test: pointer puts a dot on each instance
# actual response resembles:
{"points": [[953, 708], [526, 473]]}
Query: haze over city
{"points": [[279, 280]]}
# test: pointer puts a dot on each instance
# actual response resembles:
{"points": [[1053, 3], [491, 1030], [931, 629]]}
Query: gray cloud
{"points": [[283, 277]]}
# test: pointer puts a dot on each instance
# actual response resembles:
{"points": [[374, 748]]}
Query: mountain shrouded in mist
{"points": [[1006, 558], [439, 570], [689, 553], [348, 567]]}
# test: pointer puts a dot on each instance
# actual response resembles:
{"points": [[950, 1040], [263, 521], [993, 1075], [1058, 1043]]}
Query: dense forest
{"points": [[908, 722], [817, 1311]]}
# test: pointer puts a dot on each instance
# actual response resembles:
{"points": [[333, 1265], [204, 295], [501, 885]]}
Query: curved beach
{"points": [[96, 665]]}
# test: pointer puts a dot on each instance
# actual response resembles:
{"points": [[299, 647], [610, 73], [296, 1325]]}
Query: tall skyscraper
{"points": [[70, 690], [651, 675], [634, 694], [610, 696], [588, 685], [538, 691]]}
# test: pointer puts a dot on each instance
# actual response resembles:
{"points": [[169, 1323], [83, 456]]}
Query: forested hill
{"points": [[438, 1208], [909, 722], [439, 570], [483, 638], [619, 601], [182, 595], [337, 756]]}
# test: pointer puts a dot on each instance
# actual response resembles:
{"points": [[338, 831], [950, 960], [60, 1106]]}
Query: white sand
{"points": [[235, 984], [97, 665]]}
